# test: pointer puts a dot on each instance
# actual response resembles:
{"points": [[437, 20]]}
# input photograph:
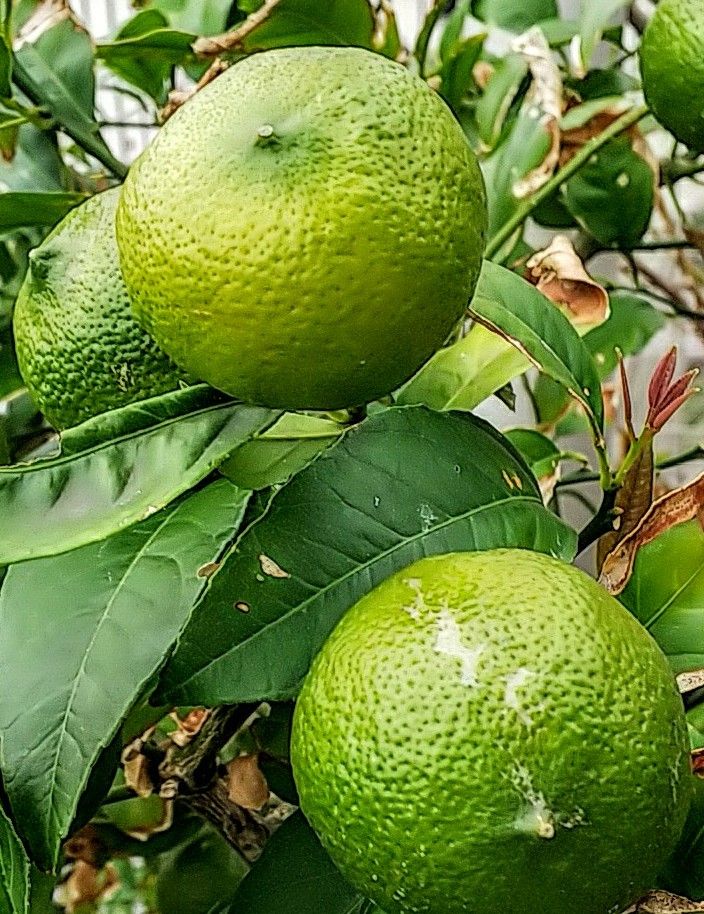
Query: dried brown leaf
{"points": [[136, 766], [676, 507], [86, 885], [188, 726], [559, 274], [689, 681], [660, 902], [246, 784]]}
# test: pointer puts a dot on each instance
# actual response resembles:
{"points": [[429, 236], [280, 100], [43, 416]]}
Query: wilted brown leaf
{"points": [[85, 885], [676, 507], [136, 766], [246, 784], [659, 902], [559, 274], [188, 726]]}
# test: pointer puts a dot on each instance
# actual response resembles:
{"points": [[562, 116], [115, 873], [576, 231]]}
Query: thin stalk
{"points": [[83, 138], [507, 230], [581, 476]]}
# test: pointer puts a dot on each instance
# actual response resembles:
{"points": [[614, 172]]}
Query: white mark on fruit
{"points": [[449, 643], [418, 605], [515, 681], [270, 568], [535, 816]]}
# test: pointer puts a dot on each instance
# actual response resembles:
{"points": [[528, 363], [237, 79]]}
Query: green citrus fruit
{"points": [[492, 731], [307, 230], [80, 351], [672, 65]]}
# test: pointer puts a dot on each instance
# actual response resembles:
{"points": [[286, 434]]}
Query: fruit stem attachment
{"points": [[496, 248], [266, 136]]}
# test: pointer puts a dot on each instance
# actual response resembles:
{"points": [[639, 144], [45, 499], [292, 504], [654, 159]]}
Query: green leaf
{"points": [[666, 594], [282, 450], [303, 22], [56, 73], [519, 154], [498, 97], [5, 68], [14, 870], [144, 51], [507, 14], [205, 17], [463, 375], [596, 15], [612, 195], [295, 875], [540, 453], [82, 635], [19, 209], [35, 167], [406, 483], [543, 333], [57, 504], [631, 324], [456, 73]]}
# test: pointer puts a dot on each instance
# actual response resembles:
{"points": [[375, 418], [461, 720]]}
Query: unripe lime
{"points": [[492, 731]]}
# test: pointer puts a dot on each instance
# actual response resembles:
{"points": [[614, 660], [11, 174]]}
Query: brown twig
{"points": [[232, 41], [213, 48]]}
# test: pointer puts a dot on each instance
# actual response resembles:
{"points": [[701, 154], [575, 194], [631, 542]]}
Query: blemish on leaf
{"points": [[205, 571], [427, 517], [449, 643], [242, 606], [270, 568], [507, 479]]}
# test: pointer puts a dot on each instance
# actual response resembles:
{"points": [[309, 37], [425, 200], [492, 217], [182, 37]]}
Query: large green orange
{"points": [[493, 732], [79, 348], [307, 230], [672, 64]]}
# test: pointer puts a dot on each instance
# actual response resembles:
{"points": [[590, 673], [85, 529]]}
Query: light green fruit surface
{"points": [[493, 732], [80, 351], [672, 65], [307, 230]]}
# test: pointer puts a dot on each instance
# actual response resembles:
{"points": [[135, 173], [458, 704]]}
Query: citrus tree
{"points": [[242, 390]]}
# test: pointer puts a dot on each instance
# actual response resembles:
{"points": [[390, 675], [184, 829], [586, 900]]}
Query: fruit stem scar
{"points": [[266, 136]]}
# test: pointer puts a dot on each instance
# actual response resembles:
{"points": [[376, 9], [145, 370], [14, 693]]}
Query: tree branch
{"points": [[232, 41]]}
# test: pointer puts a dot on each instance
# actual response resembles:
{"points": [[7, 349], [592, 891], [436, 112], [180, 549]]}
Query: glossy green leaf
{"points": [[543, 333], [463, 375], [666, 594], [612, 195], [456, 79], [304, 22], [20, 209], [406, 483], [152, 457], [144, 51], [97, 623], [595, 17], [295, 875], [520, 153], [453, 28], [205, 17], [540, 452], [501, 91], [14, 870], [507, 14], [36, 165], [282, 450], [631, 324], [57, 73]]}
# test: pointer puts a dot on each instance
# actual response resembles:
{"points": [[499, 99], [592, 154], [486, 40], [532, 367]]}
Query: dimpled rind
{"points": [[307, 230], [80, 350], [492, 731], [672, 65]]}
